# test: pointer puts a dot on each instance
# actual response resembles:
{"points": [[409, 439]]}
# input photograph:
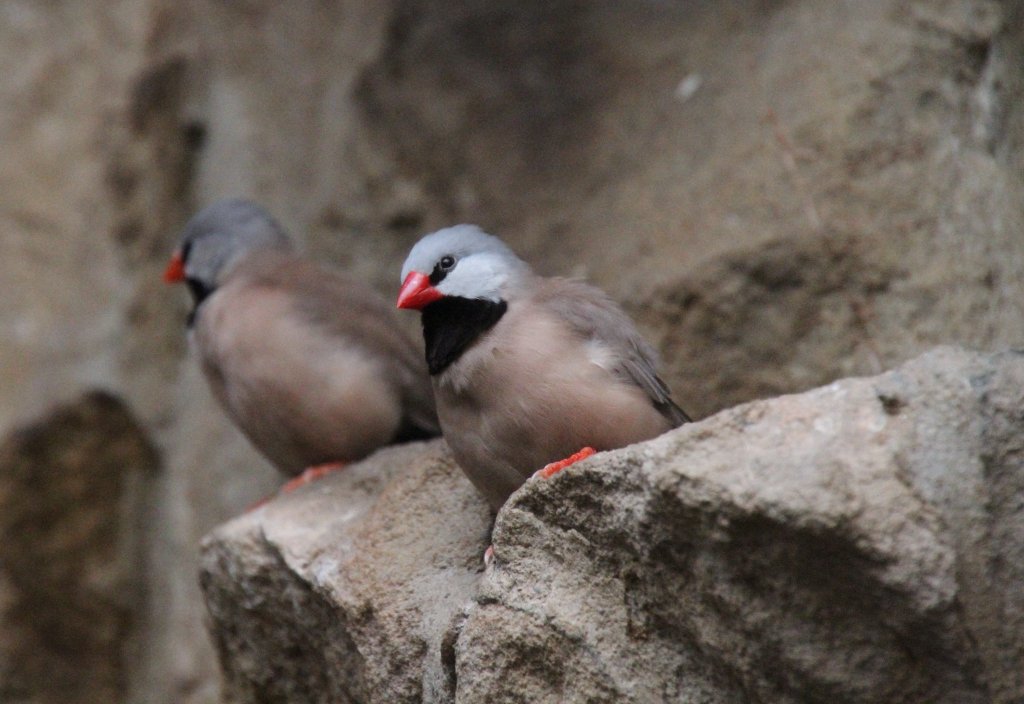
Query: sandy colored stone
{"points": [[859, 542], [340, 592], [828, 546]]}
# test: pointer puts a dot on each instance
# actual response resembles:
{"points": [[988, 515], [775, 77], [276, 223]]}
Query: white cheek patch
{"points": [[475, 277]]}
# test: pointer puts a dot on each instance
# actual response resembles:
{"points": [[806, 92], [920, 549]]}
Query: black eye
{"points": [[441, 269]]}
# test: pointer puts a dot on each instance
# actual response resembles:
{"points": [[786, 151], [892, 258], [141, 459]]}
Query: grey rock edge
{"points": [[861, 542]]}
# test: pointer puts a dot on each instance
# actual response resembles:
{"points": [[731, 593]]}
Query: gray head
{"points": [[462, 261], [218, 237]]}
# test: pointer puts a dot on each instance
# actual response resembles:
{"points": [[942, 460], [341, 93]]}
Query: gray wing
{"points": [[595, 316], [344, 307]]}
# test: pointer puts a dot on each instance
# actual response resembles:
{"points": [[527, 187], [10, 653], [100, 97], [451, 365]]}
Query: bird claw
{"points": [[549, 470], [554, 468], [310, 475]]}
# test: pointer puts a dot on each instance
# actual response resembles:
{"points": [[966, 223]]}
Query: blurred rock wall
{"points": [[782, 192], [75, 494]]}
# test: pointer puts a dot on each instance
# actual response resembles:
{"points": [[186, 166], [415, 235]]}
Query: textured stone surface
{"points": [[339, 592], [74, 487], [859, 542], [831, 546], [784, 193]]}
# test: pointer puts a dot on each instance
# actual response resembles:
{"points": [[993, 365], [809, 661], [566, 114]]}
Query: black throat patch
{"points": [[200, 292], [452, 324]]}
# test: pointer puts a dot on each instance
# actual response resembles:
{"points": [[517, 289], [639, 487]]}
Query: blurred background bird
{"points": [[309, 363]]}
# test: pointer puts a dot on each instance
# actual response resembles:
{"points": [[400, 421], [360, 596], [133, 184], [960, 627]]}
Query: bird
{"points": [[308, 362], [530, 374]]}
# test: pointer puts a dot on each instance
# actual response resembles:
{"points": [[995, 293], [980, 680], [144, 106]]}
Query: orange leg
{"points": [[308, 476], [554, 468], [548, 471]]}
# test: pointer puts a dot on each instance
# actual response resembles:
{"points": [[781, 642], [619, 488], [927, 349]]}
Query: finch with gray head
{"points": [[527, 370], [309, 363]]}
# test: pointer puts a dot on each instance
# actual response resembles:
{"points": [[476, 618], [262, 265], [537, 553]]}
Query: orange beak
{"points": [[416, 292], [175, 271]]}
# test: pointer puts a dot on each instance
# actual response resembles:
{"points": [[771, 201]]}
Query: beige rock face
{"points": [[341, 592], [860, 542], [782, 193]]}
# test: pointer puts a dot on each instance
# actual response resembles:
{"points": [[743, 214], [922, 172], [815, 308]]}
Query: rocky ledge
{"points": [[861, 542]]}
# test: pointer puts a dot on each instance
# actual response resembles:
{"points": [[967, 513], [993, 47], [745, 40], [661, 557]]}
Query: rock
{"points": [[74, 488], [861, 542], [340, 592]]}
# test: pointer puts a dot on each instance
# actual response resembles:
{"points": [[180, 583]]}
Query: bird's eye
{"points": [[447, 262]]}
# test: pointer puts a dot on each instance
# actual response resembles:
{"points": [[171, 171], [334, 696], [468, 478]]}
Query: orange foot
{"points": [[308, 476], [554, 468], [549, 470]]}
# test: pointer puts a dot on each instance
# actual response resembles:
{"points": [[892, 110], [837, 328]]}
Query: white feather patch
{"points": [[600, 354]]}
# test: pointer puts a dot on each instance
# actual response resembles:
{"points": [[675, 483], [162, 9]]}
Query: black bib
{"points": [[452, 324]]}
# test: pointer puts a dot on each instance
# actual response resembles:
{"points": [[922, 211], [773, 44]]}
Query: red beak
{"points": [[175, 271], [416, 292]]}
